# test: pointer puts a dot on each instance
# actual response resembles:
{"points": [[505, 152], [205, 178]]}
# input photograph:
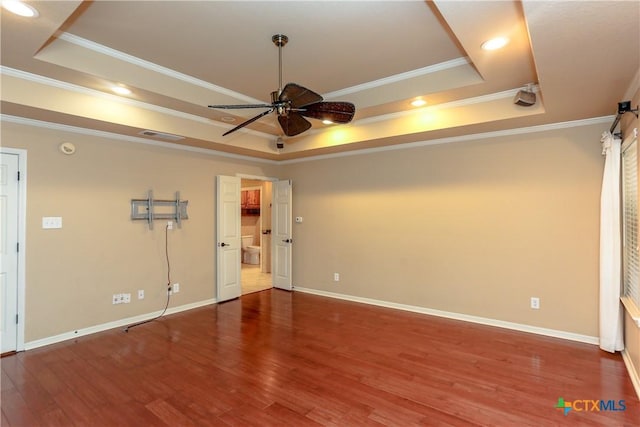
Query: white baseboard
{"points": [[633, 373], [458, 316], [111, 325]]}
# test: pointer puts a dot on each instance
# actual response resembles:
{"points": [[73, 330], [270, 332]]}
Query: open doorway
{"points": [[255, 204]]}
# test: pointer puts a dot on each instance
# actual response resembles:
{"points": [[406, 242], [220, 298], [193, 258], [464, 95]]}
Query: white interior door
{"points": [[228, 238], [9, 192], [282, 238]]}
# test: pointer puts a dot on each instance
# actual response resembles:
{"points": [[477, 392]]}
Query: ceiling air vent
{"points": [[161, 135]]}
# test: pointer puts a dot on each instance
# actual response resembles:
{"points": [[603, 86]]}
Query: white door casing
{"points": [[228, 238], [282, 238], [9, 214]]}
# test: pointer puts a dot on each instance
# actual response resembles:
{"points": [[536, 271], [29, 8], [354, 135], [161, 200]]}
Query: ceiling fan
{"points": [[293, 103]]}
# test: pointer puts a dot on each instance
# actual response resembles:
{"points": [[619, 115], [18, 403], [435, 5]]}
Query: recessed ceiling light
{"points": [[228, 119], [20, 8], [327, 122], [121, 90], [495, 43], [419, 102]]}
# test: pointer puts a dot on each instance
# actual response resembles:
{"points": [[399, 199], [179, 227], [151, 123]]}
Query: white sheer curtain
{"points": [[611, 338]]}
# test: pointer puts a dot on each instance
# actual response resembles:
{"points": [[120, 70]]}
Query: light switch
{"points": [[51, 222]]}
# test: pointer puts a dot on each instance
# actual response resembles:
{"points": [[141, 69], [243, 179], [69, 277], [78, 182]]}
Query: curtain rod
{"points": [[623, 107]]}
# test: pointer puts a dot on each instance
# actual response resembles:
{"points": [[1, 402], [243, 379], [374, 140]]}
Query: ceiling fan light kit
{"points": [[294, 102]]}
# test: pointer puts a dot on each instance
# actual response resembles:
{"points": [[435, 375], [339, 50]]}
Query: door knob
{"points": [[288, 240], [224, 244]]}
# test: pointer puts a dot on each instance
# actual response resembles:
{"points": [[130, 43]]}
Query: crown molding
{"points": [[109, 135], [510, 93], [399, 77], [47, 81], [121, 56], [495, 134]]}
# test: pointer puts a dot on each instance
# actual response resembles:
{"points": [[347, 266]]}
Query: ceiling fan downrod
{"points": [[279, 40]]}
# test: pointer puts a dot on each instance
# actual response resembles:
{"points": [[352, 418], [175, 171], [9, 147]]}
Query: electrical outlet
{"points": [[535, 303], [126, 298], [175, 288], [169, 225], [140, 293], [336, 277], [116, 299]]}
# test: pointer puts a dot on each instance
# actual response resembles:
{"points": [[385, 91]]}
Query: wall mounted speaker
{"points": [[525, 98]]}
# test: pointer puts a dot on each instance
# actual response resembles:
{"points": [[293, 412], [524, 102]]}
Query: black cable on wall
{"points": [[166, 252]]}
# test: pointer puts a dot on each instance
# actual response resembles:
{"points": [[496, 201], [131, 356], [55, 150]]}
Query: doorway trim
{"points": [[257, 177], [22, 232]]}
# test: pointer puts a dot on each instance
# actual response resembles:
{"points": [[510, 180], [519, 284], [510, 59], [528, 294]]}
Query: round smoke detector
{"points": [[67, 148]]}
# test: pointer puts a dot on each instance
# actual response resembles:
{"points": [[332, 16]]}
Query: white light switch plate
{"points": [[51, 222]]}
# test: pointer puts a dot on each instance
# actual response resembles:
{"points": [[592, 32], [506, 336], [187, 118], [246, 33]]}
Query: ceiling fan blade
{"points": [[293, 123], [337, 112], [298, 96], [243, 124], [293, 103], [237, 107]]}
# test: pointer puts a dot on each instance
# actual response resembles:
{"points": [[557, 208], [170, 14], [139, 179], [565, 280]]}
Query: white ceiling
{"points": [[180, 56]]}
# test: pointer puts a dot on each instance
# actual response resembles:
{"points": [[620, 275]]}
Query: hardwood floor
{"points": [[293, 359]]}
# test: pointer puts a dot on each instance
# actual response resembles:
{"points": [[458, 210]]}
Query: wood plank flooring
{"points": [[292, 359]]}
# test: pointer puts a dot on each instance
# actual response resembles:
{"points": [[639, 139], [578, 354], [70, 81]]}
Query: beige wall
{"points": [[475, 228], [250, 226], [72, 273]]}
